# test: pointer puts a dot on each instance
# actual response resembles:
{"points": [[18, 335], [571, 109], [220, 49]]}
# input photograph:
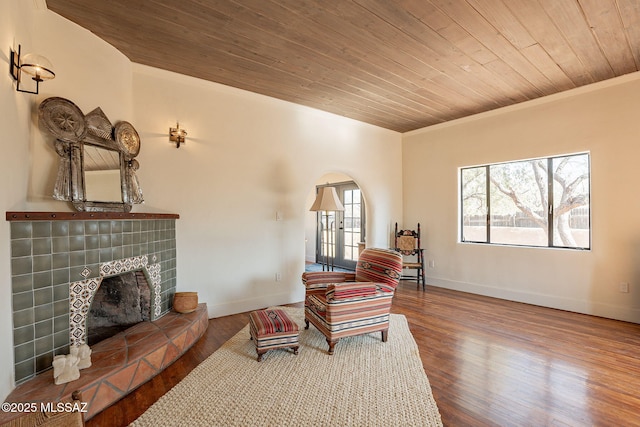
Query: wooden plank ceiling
{"points": [[398, 64]]}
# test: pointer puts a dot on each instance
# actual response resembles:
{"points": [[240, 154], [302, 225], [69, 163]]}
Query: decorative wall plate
{"points": [[63, 119], [128, 138], [98, 124]]}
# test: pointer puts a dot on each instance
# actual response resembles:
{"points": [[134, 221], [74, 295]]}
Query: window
{"points": [[539, 202]]}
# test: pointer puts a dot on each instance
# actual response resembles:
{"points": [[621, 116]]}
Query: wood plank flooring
{"points": [[490, 362]]}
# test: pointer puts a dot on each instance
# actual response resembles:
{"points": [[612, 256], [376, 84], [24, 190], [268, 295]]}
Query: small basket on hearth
{"points": [[185, 302]]}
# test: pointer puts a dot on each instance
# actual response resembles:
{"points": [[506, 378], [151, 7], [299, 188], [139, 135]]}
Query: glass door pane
{"points": [[351, 224], [327, 235]]}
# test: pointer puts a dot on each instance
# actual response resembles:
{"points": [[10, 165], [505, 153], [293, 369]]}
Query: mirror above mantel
{"points": [[97, 169], [102, 174]]}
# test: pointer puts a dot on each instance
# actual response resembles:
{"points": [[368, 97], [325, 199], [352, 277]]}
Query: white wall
{"points": [[601, 119], [246, 157]]}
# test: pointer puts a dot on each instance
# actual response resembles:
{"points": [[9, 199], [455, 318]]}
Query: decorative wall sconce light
{"points": [[35, 65], [177, 135]]}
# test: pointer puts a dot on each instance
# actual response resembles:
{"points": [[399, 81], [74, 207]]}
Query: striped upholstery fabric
{"points": [[271, 329], [347, 317], [337, 291], [339, 310], [379, 266], [311, 278]]}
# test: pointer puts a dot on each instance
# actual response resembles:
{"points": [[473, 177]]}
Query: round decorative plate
{"points": [[63, 119], [128, 139]]}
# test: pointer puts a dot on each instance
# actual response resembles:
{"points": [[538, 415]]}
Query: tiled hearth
{"points": [[56, 258], [120, 363]]}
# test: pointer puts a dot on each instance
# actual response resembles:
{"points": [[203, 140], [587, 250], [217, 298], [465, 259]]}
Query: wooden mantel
{"points": [[84, 216]]}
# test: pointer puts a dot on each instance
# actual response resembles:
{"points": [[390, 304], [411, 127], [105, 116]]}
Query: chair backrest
{"points": [[381, 266], [407, 242]]}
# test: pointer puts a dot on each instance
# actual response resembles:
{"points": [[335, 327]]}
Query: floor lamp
{"points": [[327, 200]]}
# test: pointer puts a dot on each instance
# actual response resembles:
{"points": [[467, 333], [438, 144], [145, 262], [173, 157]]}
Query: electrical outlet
{"points": [[624, 288], [278, 277], [432, 263]]}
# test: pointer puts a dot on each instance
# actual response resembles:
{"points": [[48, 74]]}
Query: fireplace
{"points": [[58, 262], [82, 296], [120, 302]]}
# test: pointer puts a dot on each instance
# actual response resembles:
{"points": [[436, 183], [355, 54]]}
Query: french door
{"points": [[339, 233]]}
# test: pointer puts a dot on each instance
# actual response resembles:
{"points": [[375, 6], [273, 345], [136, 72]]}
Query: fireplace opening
{"points": [[120, 302]]}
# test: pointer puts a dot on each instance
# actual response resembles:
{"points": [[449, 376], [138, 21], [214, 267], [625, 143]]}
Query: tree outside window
{"points": [[539, 202]]}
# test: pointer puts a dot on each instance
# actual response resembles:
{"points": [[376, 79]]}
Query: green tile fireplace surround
{"points": [[57, 258]]}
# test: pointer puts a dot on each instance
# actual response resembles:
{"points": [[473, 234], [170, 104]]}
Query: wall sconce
{"points": [[177, 135], [33, 64]]}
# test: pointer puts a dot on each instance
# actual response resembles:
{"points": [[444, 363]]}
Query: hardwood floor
{"points": [[490, 362]]}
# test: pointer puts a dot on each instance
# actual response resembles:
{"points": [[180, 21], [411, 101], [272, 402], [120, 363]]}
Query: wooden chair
{"points": [[407, 242]]}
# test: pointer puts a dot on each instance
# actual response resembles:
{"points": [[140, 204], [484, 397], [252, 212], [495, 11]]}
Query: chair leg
{"points": [[332, 344], [306, 324], [385, 335]]}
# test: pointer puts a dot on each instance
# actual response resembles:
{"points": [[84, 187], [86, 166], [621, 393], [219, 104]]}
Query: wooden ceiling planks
{"points": [[630, 14], [605, 21], [570, 20], [398, 64]]}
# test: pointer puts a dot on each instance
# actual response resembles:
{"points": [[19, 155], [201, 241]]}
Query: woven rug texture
{"points": [[365, 383]]}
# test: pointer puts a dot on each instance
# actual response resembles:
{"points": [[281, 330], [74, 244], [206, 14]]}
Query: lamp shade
{"points": [[327, 200], [38, 66]]}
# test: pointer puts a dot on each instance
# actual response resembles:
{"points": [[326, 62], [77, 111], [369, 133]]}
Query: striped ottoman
{"points": [[272, 328]]}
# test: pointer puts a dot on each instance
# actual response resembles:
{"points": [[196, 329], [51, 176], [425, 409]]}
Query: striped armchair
{"points": [[346, 304]]}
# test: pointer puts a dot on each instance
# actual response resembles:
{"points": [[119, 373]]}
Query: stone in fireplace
{"points": [[120, 302]]}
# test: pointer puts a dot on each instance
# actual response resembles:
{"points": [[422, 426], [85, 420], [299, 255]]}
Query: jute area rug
{"points": [[365, 383]]}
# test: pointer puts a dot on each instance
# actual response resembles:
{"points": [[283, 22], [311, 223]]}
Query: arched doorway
{"points": [[340, 234]]}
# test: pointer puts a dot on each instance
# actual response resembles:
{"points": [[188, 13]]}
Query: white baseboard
{"points": [[250, 304], [593, 308]]}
